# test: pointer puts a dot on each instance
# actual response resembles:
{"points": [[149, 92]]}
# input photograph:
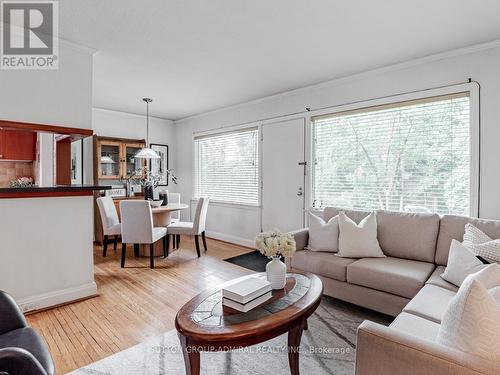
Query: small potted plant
{"points": [[274, 245]]}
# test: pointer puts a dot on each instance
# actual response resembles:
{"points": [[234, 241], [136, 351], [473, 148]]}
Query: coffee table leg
{"points": [[294, 336], [191, 357]]}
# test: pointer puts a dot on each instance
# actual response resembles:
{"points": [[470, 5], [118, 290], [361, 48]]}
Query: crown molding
{"points": [[101, 109], [353, 77]]}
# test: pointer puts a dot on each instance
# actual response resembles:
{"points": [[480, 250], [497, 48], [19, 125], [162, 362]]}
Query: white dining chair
{"points": [[195, 228], [175, 198], [175, 216], [110, 222], [138, 228]]}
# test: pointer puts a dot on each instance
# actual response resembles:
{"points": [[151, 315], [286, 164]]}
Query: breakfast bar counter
{"points": [[50, 191]]}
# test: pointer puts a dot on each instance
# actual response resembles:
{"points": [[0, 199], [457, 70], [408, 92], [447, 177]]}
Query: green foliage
{"points": [[410, 158]]}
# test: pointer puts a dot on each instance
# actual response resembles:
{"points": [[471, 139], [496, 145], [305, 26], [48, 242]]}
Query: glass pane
{"points": [[227, 167], [110, 160], [411, 157], [133, 165]]}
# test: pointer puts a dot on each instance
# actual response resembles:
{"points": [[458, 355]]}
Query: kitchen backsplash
{"points": [[11, 170]]}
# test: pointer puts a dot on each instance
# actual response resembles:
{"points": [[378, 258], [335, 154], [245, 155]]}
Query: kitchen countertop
{"points": [[50, 191]]}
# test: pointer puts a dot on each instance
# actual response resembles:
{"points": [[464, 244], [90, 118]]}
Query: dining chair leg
{"points": [[136, 250], [105, 245], [178, 240], [174, 242], [115, 243], [166, 245], [152, 255], [197, 243], [204, 240], [124, 251]]}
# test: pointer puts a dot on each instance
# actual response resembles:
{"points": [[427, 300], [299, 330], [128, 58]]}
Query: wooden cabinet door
{"points": [[2, 143], [110, 160], [131, 165], [18, 145]]}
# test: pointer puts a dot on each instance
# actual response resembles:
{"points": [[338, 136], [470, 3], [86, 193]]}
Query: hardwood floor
{"points": [[134, 303]]}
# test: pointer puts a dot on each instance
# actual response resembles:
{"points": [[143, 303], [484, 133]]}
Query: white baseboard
{"points": [[57, 297], [232, 239]]}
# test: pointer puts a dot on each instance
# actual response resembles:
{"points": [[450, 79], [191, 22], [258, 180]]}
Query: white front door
{"points": [[283, 175]]}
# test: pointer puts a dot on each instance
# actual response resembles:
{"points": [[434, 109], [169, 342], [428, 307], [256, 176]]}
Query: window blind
{"points": [[226, 167], [410, 156]]}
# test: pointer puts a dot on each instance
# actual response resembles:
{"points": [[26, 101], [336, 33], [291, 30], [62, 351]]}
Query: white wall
{"points": [[56, 97], [46, 253], [481, 63], [46, 250], [107, 123]]}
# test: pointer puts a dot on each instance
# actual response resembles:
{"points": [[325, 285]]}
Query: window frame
{"points": [[222, 131], [474, 131]]}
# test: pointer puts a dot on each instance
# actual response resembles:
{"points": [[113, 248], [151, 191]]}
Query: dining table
{"points": [[162, 217]]}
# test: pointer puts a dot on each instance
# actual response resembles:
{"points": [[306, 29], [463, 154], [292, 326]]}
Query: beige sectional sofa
{"points": [[406, 285]]}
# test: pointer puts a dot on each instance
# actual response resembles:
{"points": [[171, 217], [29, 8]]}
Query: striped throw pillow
{"points": [[481, 244]]}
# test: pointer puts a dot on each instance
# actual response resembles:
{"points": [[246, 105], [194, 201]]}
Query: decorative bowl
{"points": [[155, 203]]}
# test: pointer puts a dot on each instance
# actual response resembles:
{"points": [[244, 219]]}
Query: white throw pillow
{"points": [[461, 263], [359, 240], [471, 320], [481, 244], [323, 236]]}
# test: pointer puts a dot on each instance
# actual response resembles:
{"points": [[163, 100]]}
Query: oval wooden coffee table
{"points": [[203, 324]]}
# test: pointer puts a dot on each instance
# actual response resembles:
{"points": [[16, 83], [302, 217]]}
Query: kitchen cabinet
{"points": [[17, 145], [116, 158]]}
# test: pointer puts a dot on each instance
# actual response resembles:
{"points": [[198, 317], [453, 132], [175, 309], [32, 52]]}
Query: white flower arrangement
{"points": [[274, 243]]}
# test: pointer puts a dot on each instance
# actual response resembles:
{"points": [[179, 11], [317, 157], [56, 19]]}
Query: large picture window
{"points": [[227, 168], [412, 156]]}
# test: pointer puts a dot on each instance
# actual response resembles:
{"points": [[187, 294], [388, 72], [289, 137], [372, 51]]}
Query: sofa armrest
{"points": [[17, 361], [11, 316], [301, 237], [382, 350]]}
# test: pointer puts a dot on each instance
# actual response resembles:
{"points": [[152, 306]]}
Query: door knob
{"points": [[300, 192]]}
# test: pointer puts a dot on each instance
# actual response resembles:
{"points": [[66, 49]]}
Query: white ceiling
{"points": [[193, 56]]}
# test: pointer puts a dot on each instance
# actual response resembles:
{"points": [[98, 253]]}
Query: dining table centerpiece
{"points": [[149, 180], [276, 245]]}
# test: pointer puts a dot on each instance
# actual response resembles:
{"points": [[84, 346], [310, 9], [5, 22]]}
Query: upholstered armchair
{"points": [[22, 350]]}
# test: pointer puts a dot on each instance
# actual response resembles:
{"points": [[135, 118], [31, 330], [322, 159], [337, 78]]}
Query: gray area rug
{"points": [[328, 347]]}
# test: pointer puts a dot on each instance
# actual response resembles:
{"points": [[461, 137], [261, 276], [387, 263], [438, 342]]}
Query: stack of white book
{"points": [[246, 294]]}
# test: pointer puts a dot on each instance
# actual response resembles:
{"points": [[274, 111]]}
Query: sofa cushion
{"points": [[437, 280], [430, 303], [402, 277], [462, 262], [323, 235], [408, 235], [26, 338], [320, 263], [470, 322], [358, 240], [453, 227], [400, 234], [416, 326]]}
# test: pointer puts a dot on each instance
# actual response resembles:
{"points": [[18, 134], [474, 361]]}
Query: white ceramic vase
{"points": [[276, 273]]}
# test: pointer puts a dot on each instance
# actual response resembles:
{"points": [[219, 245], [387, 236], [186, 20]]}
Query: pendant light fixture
{"points": [[147, 152]]}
